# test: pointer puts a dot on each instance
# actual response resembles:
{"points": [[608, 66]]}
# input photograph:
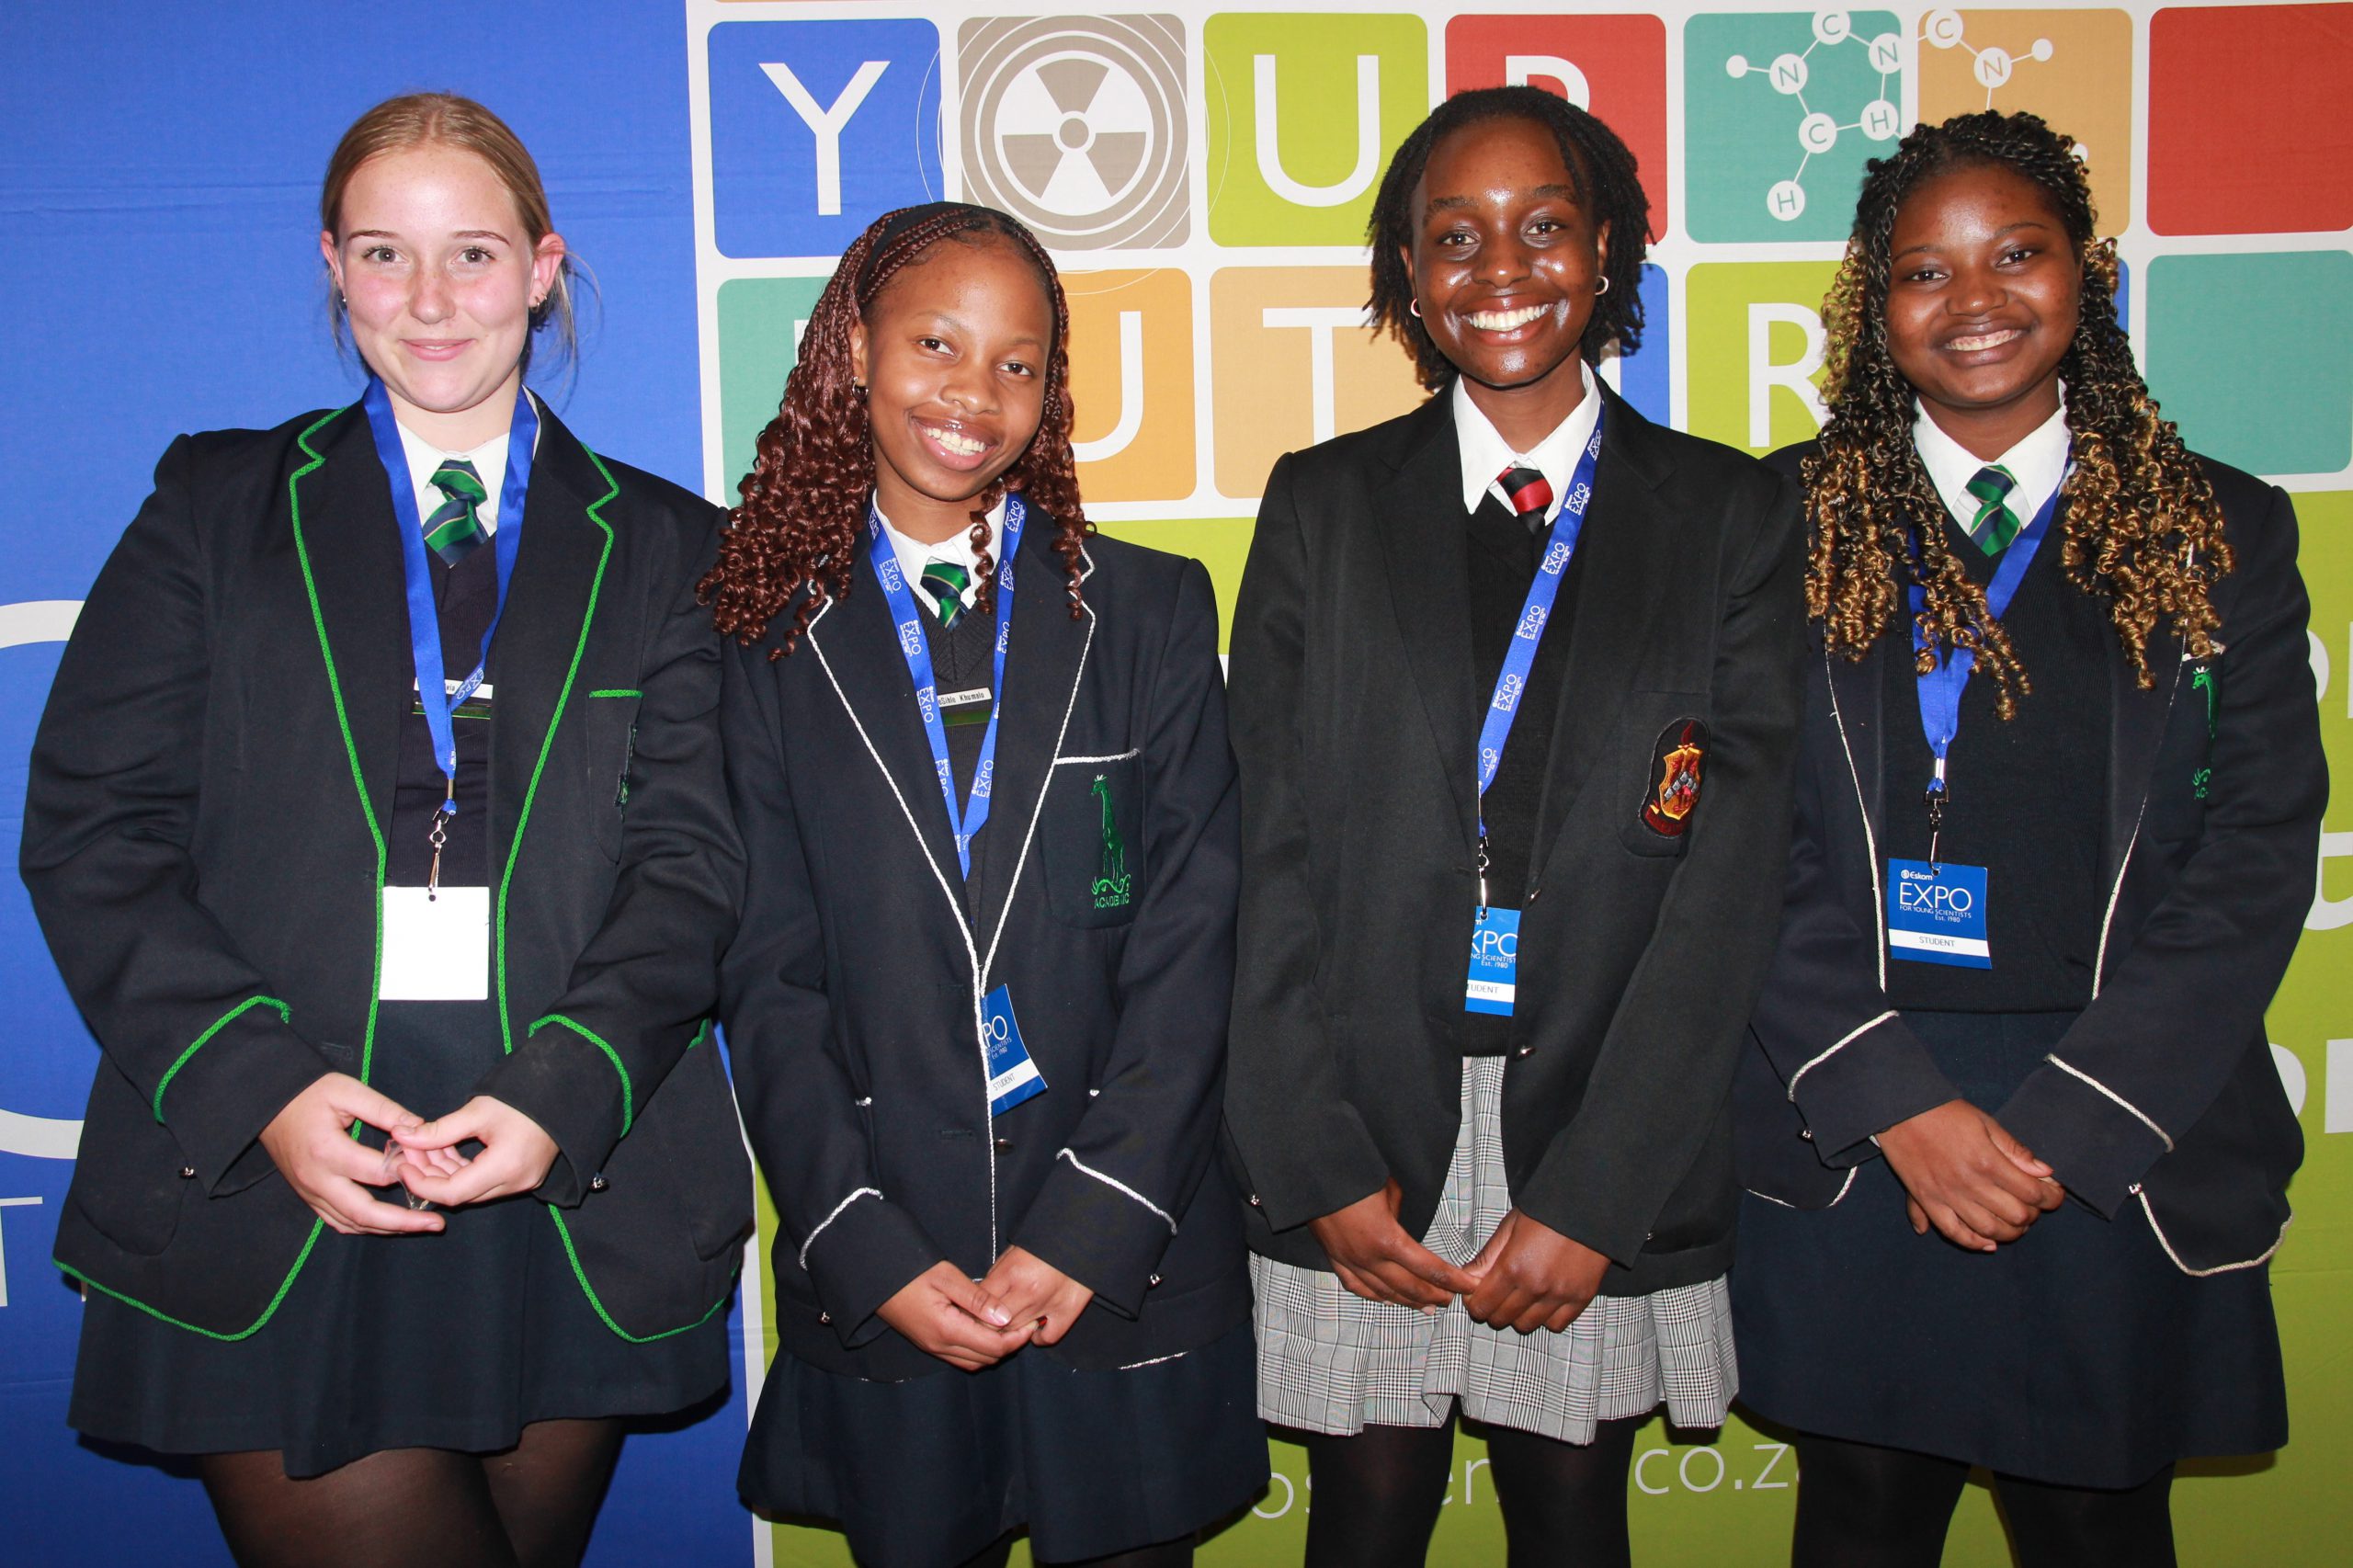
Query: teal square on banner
{"points": [[2248, 354], [1780, 111]]}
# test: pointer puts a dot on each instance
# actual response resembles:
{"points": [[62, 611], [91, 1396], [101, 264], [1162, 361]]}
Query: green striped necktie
{"points": [[454, 531], [1997, 524], [945, 582]]}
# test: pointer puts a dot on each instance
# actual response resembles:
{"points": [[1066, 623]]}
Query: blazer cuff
{"points": [[864, 1252], [1102, 1232], [1864, 1083], [230, 1082], [568, 1081], [1315, 1166], [2098, 1143]]}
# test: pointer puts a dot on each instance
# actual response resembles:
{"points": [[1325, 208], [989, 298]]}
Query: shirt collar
{"points": [[2037, 463], [956, 550], [1485, 454]]}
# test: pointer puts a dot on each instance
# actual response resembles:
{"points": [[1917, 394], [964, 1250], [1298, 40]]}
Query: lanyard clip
{"points": [[1482, 875], [1937, 796]]}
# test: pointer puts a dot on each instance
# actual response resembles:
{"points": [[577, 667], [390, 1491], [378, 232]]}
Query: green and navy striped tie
{"points": [[945, 582], [1997, 524], [454, 531]]}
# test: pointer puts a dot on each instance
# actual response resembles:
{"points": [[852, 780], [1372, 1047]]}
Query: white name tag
{"points": [[963, 699], [436, 950]]}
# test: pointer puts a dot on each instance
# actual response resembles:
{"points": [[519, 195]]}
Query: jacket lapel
{"points": [[1045, 661], [1417, 505], [348, 550], [2137, 722], [1629, 550], [559, 571]]}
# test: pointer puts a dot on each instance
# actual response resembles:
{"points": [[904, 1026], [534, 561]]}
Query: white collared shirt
{"points": [[956, 550], [2036, 464], [1485, 454], [424, 460]]}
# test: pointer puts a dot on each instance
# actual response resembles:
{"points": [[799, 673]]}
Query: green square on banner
{"points": [[2248, 354], [1302, 112], [1780, 111], [760, 320]]}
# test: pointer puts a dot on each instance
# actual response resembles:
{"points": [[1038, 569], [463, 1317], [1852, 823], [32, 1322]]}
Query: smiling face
{"points": [[1505, 263], [953, 353], [440, 281], [1984, 288]]}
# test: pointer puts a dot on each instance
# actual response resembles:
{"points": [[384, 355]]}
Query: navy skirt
{"points": [[925, 1473], [2078, 1355], [452, 1341]]}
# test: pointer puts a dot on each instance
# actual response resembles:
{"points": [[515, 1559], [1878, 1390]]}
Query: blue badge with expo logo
{"points": [[1013, 1077], [1494, 964], [1937, 913]]}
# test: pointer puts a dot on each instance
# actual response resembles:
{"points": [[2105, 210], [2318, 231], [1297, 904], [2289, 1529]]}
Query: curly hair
{"points": [[793, 542], [2142, 528], [1600, 167]]}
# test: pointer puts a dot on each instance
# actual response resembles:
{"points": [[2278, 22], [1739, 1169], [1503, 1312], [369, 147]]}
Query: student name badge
{"points": [[437, 949], [1494, 964], [1936, 914], [1013, 1077]]}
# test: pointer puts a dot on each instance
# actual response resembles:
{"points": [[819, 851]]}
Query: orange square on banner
{"points": [[1132, 383], [2073, 68], [1613, 67], [2250, 120], [1294, 365]]}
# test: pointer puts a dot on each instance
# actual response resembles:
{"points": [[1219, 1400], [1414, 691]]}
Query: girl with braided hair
{"points": [[976, 1009], [2016, 1147]]}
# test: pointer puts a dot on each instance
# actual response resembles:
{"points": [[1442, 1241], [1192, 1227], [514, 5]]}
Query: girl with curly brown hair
{"points": [[2016, 1148], [977, 1006]]}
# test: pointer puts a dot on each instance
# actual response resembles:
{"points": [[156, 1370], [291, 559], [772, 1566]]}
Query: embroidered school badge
{"points": [[1682, 747], [2202, 678], [1114, 889]]}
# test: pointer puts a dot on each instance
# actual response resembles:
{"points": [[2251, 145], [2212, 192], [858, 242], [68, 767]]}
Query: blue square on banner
{"points": [[1642, 377], [817, 128]]}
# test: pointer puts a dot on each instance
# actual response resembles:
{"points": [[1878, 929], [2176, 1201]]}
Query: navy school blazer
{"points": [[204, 844], [1356, 720], [2163, 1093], [852, 994]]}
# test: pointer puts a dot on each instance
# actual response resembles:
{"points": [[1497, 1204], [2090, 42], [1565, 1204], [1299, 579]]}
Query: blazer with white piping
{"points": [[2164, 1091]]}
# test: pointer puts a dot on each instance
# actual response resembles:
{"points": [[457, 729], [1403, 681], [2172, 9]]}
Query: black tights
{"points": [[1168, 1554], [532, 1507], [1862, 1507], [1373, 1498]]}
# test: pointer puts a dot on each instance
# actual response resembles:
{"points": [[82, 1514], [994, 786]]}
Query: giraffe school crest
{"points": [[1682, 748]]}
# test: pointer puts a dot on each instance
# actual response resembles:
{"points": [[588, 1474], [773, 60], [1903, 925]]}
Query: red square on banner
{"points": [[2251, 119], [1614, 67]]}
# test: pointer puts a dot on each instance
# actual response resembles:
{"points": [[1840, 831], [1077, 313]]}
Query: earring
{"points": [[1604, 286], [1416, 306]]}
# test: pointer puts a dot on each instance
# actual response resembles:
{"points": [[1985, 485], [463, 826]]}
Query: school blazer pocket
{"points": [[611, 718], [1090, 834], [1658, 771], [130, 1188]]}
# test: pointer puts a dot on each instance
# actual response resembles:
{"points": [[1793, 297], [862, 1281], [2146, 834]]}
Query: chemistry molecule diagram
{"points": [[1993, 66], [1818, 132]]}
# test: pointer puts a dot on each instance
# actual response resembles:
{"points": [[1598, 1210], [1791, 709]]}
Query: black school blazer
{"points": [[204, 842], [852, 992], [1356, 723], [2164, 1090]]}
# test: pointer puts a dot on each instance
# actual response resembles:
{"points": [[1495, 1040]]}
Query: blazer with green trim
{"points": [[204, 842]]}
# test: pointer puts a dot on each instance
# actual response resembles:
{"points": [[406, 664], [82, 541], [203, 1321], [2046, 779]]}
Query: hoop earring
{"points": [[1415, 307], [1604, 288]]}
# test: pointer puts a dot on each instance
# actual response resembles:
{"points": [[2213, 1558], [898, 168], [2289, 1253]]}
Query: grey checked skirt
{"points": [[1331, 1362]]}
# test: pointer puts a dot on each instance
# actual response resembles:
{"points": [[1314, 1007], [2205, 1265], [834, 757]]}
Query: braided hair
{"points": [[1601, 169], [792, 542], [2143, 531]]}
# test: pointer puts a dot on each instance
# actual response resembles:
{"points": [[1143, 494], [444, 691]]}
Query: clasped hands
{"points": [[974, 1323], [310, 1142], [1527, 1276], [1964, 1174]]}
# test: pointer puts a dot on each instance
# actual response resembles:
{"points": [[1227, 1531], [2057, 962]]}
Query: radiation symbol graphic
{"points": [[1076, 126]]}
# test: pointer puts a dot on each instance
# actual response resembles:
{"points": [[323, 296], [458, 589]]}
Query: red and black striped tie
{"points": [[1531, 496]]}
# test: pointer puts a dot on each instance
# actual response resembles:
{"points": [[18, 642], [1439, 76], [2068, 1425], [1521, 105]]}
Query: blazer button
{"points": [[187, 1173], [1535, 893], [596, 1183], [1005, 1145], [1525, 1051], [1253, 1201], [1151, 1282], [1807, 1134], [825, 1317]]}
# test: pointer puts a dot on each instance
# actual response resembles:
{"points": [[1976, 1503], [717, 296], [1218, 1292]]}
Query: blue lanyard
{"points": [[967, 820], [424, 621], [1511, 681], [1941, 689]]}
